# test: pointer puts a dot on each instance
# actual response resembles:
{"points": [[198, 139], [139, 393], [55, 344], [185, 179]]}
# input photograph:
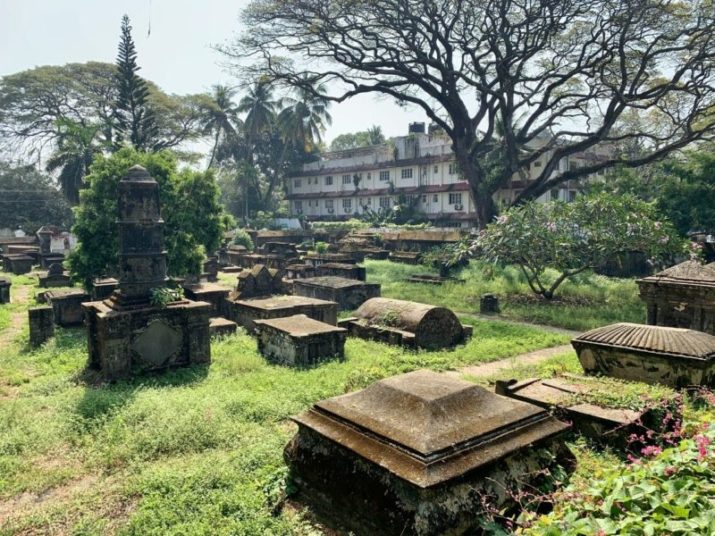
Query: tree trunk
{"points": [[483, 202]]}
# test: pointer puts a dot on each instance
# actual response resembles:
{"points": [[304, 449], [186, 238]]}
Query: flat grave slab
{"points": [[347, 293], [246, 312], [220, 327], [67, 306], [211, 293]]}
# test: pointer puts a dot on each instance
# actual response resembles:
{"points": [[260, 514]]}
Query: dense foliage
{"points": [[28, 198], [354, 140], [242, 238], [573, 237], [194, 219]]}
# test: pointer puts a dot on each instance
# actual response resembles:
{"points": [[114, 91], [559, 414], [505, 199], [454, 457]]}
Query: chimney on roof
{"points": [[416, 128]]}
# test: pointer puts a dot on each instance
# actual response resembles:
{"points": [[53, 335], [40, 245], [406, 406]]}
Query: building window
{"points": [[554, 194], [298, 205], [572, 195], [384, 202], [328, 180], [453, 168], [297, 183], [329, 204], [435, 198], [407, 173], [424, 198], [436, 169], [537, 164], [369, 175], [369, 201], [346, 179], [455, 199], [384, 175], [347, 205]]}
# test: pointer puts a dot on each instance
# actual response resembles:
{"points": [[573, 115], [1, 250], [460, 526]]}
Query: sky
{"points": [[174, 40]]}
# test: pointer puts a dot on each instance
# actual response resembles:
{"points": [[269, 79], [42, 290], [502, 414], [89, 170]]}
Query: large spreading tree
{"points": [[512, 82]]}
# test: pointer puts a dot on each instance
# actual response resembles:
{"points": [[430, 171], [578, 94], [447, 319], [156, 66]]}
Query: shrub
{"points": [[242, 238]]}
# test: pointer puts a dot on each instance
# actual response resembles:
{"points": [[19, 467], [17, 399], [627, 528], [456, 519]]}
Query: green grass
{"points": [[192, 451], [583, 302]]}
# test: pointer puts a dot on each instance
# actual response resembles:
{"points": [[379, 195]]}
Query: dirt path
{"points": [[504, 365], [20, 294]]}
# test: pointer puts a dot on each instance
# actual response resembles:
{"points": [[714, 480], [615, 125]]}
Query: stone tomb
{"points": [[213, 294], [55, 277], [42, 325], [220, 327], [347, 293], [246, 312], [406, 257], [210, 269], [258, 281], [316, 259], [348, 271], [418, 453], [568, 396], [67, 306], [299, 341], [5, 285], [17, 263], [103, 288], [682, 296], [406, 323], [432, 279], [126, 333], [652, 354]]}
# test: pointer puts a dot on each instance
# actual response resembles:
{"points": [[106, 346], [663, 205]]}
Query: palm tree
{"points": [[305, 116], [76, 148], [221, 117], [375, 135], [260, 109]]}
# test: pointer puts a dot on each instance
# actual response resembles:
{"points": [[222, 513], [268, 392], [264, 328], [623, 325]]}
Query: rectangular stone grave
{"points": [[5, 285], [48, 259], [246, 312], [210, 270], [55, 277], [567, 395], [651, 354], [104, 287], [348, 271], [682, 296], [418, 453], [235, 253], [406, 257], [221, 327], [213, 294], [348, 293], [432, 279], [316, 259], [67, 306], [299, 341], [406, 323], [17, 264], [42, 325]]}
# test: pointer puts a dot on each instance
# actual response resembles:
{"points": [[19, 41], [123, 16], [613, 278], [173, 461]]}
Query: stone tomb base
{"points": [[417, 454], [17, 263], [5, 285], [127, 342], [567, 395], [651, 354], [299, 341], [213, 294], [348, 271], [347, 293], [220, 327], [103, 288], [246, 312], [67, 306]]}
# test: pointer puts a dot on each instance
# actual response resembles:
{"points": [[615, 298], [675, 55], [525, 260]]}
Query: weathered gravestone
{"points": [[42, 325], [246, 312], [578, 400], [489, 304], [213, 294], [420, 453], [55, 277], [406, 323], [210, 270], [338, 269], [17, 263], [129, 333], [347, 293], [67, 306], [682, 296], [5, 285], [299, 340], [651, 354], [102, 288]]}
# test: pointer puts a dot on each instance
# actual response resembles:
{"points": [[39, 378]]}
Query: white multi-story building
{"points": [[420, 166]]}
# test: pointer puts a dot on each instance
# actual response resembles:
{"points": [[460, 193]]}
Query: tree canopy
{"points": [[574, 237], [194, 218], [362, 138], [29, 199], [560, 77]]}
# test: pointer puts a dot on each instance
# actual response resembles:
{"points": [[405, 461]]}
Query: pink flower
{"points": [[702, 442], [670, 471], [551, 226], [651, 450]]}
